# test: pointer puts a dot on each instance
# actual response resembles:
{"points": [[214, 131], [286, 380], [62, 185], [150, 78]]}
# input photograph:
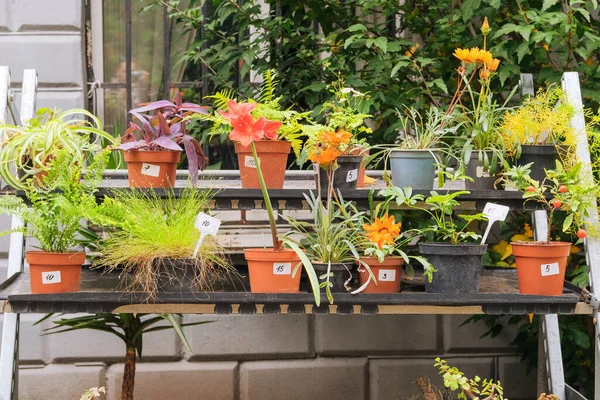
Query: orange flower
{"points": [[467, 56], [484, 73], [484, 57], [335, 139], [493, 65], [485, 25], [324, 157], [383, 231]]}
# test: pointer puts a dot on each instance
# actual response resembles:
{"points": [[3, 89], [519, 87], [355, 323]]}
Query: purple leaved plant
{"points": [[166, 130]]}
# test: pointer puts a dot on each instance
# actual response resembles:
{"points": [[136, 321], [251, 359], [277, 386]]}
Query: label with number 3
{"points": [[386, 275], [550, 269]]}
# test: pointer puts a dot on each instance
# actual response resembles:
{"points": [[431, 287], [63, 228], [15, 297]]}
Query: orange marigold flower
{"points": [[324, 156], [382, 231], [335, 139], [484, 73], [493, 64]]}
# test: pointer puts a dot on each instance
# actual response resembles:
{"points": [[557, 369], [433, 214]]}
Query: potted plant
{"points": [[456, 263], [273, 148], [57, 205], [541, 264], [153, 150], [339, 139], [330, 241], [539, 131], [27, 150], [131, 329], [380, 267], [153, 239], [419, 148], [479, 140], [271, 270]]}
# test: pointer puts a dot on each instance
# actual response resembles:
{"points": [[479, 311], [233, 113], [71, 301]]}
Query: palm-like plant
{"points": [[28, 149], [130, 328]]}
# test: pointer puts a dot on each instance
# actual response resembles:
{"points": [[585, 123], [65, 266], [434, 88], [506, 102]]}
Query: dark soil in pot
{"points": [[341, 273], [458, 266]]}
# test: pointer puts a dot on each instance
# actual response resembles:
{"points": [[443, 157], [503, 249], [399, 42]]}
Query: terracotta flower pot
{"points": [[54, 272], [155, 169], [541, 266], [271, 271], [272, 154], [388, 274]]}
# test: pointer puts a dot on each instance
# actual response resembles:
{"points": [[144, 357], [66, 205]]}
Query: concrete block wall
{"points": [[263, 357]]}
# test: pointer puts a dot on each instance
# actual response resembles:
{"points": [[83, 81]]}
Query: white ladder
{"points": [[9, 357]]}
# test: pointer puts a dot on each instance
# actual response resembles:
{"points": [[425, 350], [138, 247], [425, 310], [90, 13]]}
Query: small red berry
{"points": [[531, 189], [581, 233], [556, 203], [562, 188]]}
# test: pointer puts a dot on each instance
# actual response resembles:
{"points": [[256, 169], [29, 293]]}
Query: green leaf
{"points": [[522, 50], [548, 3], [357, 27], [381, 42], [468, 9], [400, 64], [439, 82], [567, 222], [351, 39]]}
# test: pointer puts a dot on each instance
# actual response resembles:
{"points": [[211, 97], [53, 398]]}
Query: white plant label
{"points": [[386, 275], [249, 162], [493, 212], [150, 169], [480, 173], [282, 268], [50, 277], [352, 175], [207, 225], [550, 269]]}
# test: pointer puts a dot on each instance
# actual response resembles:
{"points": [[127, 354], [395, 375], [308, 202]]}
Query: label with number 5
{"points": [[550, 269], [352, 175]]}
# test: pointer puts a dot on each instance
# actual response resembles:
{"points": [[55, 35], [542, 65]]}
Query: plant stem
{"points": [[128, 372], [267, 199]]}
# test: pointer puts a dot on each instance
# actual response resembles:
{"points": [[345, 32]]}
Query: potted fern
{"points": [[57, 205]]}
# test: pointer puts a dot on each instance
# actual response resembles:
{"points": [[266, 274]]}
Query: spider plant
{"points": [[330, 238], [27, 150]]}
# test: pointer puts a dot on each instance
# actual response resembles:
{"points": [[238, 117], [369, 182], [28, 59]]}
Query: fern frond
{"points": [[221, 98], [267, 87]]}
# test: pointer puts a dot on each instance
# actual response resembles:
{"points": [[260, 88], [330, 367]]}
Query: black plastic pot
{"points": [[344, 177], [481, 178], [542, 157], [340, 275], [175, 275], [458, 266]]}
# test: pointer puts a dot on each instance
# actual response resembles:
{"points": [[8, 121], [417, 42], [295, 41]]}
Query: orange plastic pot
{"points": [[155, 169], [54, 272], [271, 271], [272, 155], [541, 266], [388, 274]]}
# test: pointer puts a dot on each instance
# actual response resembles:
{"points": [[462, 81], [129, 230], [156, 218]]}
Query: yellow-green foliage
{"points": [[145, 229], [543, 119]]}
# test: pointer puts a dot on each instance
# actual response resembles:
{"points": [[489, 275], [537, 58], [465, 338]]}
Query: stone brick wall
{"points": [[272, 357]]}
